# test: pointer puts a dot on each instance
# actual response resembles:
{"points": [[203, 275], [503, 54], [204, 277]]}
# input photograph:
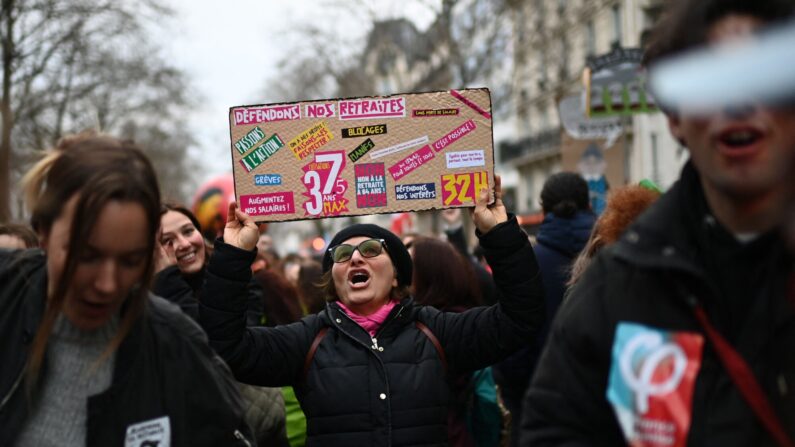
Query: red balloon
{"points": [[211, 203]]}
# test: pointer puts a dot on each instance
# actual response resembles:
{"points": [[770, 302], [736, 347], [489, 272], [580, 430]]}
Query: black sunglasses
{"points": [[368, 249]]}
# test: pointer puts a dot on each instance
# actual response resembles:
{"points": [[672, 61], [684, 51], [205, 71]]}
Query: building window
{"points": [[590, 38], [524, 107], [541, 15], [616, 25], [542, 72], [531, 191], [544, 112], [651, 15], [529, 119]]}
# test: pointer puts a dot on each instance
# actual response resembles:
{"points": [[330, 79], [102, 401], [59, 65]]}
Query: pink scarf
{"points": [[370, 323]]}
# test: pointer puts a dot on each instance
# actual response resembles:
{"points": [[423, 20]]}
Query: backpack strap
{"points": [[428, 333], [313, 348], [744, 379]]}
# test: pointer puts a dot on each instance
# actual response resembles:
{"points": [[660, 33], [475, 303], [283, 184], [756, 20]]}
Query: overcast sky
{"points": [[229, 49]]}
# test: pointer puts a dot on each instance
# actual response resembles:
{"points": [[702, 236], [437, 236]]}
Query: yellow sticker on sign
{"points": [[463, 189], [310, 140]]}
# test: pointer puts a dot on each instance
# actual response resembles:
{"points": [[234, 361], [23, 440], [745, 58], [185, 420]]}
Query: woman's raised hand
{"points": [[240, 229], [164, 254], [488, 216]]}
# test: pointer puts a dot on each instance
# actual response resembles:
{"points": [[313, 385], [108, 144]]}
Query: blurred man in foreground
{"points": [[681, 333]]}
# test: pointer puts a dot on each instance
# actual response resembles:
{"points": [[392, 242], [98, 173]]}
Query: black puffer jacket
{"points": [[390, 390], [164, 373], [183, 290], [180, 289], [264, 407], [264, 410], [675, 255]]}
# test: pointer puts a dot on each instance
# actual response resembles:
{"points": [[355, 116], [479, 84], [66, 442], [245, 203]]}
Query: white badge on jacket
{"points": [[151, 433]]}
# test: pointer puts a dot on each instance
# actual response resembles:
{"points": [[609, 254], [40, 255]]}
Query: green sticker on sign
{"points": [[262, 153], [362, 149], [244, 144]]}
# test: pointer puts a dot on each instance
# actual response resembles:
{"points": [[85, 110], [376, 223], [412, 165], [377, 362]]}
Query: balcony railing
{"points": [[540, 142]]}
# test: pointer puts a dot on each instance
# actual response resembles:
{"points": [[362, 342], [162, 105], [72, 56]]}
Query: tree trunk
{"points": [[7, 20]]}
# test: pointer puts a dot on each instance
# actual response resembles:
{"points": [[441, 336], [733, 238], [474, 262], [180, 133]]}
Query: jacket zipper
{"points": [[351, 335], [388, 401], [241, 437], [381, 329], [373, 339], [383, 367]]}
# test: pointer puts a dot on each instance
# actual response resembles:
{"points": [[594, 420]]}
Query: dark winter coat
{"points": [[183, 290], [389, 390], [675, 255], [559, 242], [264, 407], [180, 289], [265, 413], [163, 368]]}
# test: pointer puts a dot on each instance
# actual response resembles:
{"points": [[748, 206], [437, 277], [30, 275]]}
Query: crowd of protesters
{"points": [[668, 320]]}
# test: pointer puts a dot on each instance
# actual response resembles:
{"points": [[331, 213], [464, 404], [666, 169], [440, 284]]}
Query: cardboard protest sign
{"points": [[345, 157]]}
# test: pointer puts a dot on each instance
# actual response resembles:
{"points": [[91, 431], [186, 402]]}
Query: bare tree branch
{"points": [[75, 64]]}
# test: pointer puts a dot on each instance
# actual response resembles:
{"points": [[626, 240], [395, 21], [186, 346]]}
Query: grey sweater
{"points": [[72, 374]]}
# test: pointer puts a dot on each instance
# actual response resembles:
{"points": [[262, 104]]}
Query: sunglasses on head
{"points": [[368, 249]]}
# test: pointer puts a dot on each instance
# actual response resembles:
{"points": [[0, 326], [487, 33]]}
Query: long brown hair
{"points": [[279, 298], [310, 293], [443, 277], [98, 169], [624, 205]]}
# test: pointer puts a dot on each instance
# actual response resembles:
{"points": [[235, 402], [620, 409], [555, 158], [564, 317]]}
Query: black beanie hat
{"points": [[397, 251]]}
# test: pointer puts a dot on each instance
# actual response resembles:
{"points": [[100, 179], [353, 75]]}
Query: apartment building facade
{"points": [[553, 43]]}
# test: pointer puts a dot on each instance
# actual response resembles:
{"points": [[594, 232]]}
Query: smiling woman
{"points": [[180, 257], [181, 238], [74, 317]]}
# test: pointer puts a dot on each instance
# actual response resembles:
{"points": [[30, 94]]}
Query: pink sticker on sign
{"points": [[267, 204], [254, 115], [458, 133], [355, 109], [370, 185], [471, 104], [325, 188], [322, 110], [410, 163]]}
